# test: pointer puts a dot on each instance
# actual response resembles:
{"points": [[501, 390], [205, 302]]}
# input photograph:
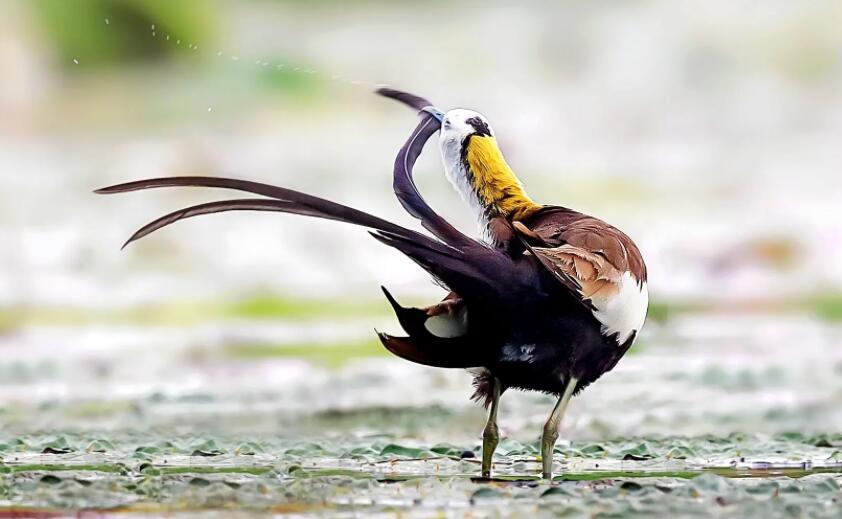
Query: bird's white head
{"points": [[461, 129], [459, 124], [477, 169]]}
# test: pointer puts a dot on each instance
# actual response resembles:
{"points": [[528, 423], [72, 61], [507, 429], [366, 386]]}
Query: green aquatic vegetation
{"points": [[162, 471], [57, 446], [99, 445], [301, 489], [447, 449], [613, 474], [65, 467], [206, 448], [248, 448], [409, 452]]}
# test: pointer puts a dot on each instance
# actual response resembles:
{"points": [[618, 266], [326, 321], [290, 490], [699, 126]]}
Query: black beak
{"points": [[412, 101]]}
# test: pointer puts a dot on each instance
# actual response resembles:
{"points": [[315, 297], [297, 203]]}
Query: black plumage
{"points": [[520, 305]]}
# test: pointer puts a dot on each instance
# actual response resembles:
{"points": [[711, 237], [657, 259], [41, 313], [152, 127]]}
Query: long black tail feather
{"points": [[337, 211], [410, 100], [447, 264], [457, 261], [245, 204]]}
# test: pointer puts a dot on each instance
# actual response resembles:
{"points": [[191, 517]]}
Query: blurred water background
{"points": [[709, 132]]}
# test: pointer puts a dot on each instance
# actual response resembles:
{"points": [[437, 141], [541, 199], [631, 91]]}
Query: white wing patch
{"points": [[624, 311], [448, 326]]}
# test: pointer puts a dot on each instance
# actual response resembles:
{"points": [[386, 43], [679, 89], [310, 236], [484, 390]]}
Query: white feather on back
{"points": [[622, 312], [448, 326]]}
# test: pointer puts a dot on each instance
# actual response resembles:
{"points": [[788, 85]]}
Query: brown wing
{"points": [[586, 249], [595, 275]]}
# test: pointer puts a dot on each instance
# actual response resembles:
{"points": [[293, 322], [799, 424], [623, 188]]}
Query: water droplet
{"points": [[235, 58], [153, 34], [107, 22], [153, 26], [168, 37], [178, 42], [210, 109], [75, 61], [219, 53]]}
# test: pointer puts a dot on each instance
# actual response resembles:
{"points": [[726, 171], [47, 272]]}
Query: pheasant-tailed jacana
{"points": [[548, 299]]}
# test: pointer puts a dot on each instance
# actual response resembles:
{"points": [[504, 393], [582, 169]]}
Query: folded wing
{"points": [[603, 261]]}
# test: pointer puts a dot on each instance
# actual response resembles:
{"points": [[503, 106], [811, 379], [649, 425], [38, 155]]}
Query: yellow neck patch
{"points": [[494, 182]]}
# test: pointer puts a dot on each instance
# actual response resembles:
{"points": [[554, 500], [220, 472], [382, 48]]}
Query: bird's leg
{"points": [[491, 434], [551, 428]]}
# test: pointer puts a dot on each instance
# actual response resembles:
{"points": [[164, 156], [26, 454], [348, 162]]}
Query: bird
{"points": [[544, 298]]}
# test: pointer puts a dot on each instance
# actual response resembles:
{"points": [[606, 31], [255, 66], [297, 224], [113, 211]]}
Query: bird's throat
{"points": [[496, 187]]}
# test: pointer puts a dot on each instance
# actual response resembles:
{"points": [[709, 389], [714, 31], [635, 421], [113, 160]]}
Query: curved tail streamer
{"points": [[459, 262], [324, 208]]}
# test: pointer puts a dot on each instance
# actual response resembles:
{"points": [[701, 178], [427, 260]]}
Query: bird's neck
{"points": [[497, 188]]}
